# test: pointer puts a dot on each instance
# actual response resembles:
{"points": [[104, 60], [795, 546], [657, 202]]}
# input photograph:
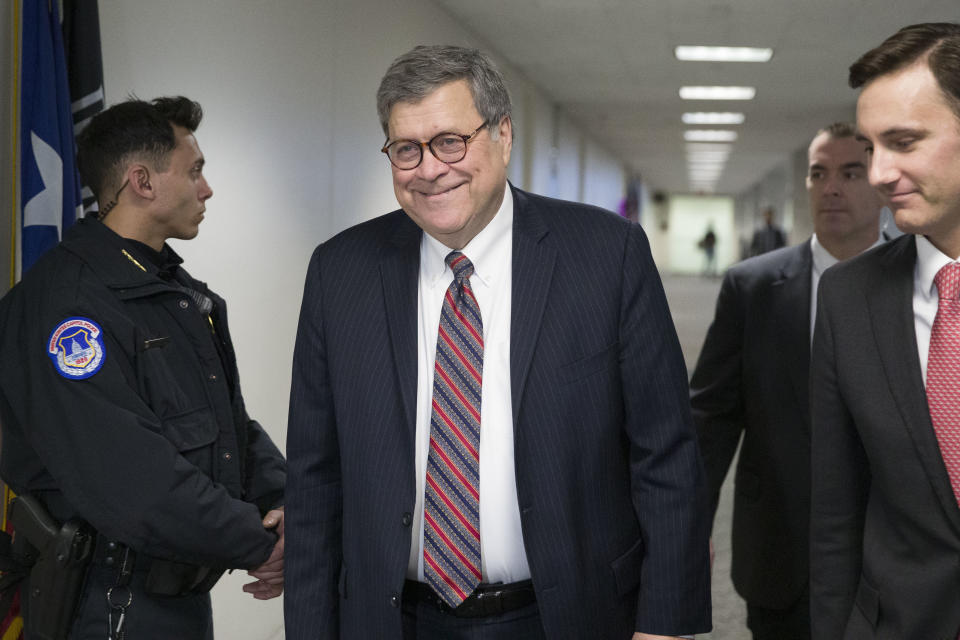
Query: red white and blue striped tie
{"points": [[451, 513]]}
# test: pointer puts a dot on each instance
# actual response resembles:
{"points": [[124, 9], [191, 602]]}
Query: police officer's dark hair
{"points": [[839, 130], [937, 42], [128, 131], [426, 68]]}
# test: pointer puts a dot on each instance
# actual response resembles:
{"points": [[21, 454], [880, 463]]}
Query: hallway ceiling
{"points": [[609, 65]]}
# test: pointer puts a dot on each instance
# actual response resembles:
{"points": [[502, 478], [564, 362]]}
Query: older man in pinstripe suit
{"points": [[489, 430]]}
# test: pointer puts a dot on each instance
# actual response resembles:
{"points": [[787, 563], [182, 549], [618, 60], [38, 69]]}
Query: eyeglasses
{"points": [[445, 147]]}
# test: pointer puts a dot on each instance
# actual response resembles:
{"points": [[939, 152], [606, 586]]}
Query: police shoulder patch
{"points": [[76, 348]]}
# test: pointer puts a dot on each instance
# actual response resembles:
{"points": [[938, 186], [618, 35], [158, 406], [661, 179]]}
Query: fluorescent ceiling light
{"points": [[718, 93], [713, 117], [695, 147], [704, 169], [723, 54], [709, 135], [708, 157], [705, 176]]}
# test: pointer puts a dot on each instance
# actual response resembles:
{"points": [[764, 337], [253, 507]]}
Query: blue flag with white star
{"points": [[49, 183]]}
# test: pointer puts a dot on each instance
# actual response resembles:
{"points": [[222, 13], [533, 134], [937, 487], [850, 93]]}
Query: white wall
{"points": [[292, 144], [537, 143], [569, 183], [604, 179]]}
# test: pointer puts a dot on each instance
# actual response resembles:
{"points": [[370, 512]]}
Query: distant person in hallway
{"points": [[490, 434], [885, 381], [768, 237], [751, 379], [708, 243]]}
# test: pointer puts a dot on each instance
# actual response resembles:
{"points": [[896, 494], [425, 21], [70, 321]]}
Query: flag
{"points": [[81, 39], [49, 184]]}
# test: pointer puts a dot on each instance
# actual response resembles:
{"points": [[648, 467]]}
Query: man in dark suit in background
{"points": [[751, 378], [769, 237], [885, 525], [581, 511]]}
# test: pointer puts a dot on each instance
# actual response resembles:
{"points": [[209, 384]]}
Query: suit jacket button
{"points": [[407, 519], [394, 601]]}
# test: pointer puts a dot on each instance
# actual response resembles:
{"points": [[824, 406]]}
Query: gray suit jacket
{"points": [[609, 481], [751, 379], [885, 525]]}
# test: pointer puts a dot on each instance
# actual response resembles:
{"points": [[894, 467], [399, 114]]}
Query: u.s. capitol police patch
{"points": [[76, 348]]}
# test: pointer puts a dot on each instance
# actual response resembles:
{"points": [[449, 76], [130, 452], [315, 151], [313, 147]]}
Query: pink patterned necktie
{"points": [[943, 371], [451, 512]]}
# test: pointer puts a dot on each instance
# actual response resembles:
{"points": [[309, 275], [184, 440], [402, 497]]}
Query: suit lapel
{"points": [[399, 269], [890, 300], [793, 313], [533, 263]]}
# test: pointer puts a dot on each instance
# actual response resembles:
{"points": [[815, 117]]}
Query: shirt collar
{"points": [[823, 259], [929, 261], [484, 250]]}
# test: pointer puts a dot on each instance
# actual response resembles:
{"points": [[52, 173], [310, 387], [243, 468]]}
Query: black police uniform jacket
{"points": [[120, 403]]}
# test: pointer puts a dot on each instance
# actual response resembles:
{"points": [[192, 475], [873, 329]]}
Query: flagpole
{"points": [[14, 154]]}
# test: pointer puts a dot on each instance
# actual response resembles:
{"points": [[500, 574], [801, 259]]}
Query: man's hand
{"points": [[269, 575]]}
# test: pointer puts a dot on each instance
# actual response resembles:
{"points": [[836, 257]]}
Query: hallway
{"points": [[692, 300]]}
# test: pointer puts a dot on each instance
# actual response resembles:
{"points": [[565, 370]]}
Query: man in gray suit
{"points": [[751, 378], [885, 523], [489, 435]]}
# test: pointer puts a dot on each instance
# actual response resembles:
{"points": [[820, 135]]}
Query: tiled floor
{"points": [[692, 301]]}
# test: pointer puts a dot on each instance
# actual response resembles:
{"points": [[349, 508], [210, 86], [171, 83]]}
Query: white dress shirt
{"points": [[503, 558], [926, 298], [823, 260]]}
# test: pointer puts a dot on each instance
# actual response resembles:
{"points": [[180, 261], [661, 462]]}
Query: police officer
{"points": [[120, 402]]}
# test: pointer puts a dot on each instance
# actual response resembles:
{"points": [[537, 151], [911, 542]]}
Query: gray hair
{"points": [[424, 69]]}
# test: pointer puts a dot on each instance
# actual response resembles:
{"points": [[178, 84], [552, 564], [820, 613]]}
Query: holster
{"points": [[56, 579], [169, 578]]}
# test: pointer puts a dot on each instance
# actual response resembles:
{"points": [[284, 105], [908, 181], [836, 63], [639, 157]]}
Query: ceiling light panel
{"points": [[708, 157], [718, 93], [713, 117], [709, 135], [723, 54], [696, 147]]}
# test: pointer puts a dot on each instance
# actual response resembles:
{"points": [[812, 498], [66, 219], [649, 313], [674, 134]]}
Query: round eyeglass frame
{"points": [[429, 145]]}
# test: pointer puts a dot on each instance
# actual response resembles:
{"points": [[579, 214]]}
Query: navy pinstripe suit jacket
{"points": [[609, 479]]}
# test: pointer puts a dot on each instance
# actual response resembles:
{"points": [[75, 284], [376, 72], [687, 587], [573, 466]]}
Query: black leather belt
{"points": [[486, 599]]}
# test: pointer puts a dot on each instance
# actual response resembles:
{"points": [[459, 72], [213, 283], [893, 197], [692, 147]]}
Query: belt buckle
{"points": [[490, 602]]}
